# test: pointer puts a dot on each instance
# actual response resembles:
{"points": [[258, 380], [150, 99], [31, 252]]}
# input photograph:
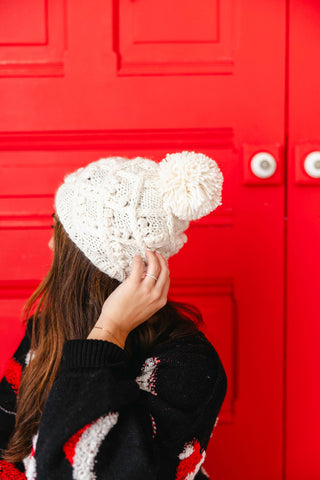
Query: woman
{"points": [[111, 380]]}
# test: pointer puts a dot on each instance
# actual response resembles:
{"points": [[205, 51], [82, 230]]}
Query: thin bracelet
{"points": [[101, 328]]}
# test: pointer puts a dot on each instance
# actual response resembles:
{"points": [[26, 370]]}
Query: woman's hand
{"points": [[136, 299]]}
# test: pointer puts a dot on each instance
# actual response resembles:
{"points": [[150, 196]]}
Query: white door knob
{"points": [[263, 165], [312, 164]]}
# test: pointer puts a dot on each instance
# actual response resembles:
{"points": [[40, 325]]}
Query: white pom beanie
{"points": [[116, 207]]}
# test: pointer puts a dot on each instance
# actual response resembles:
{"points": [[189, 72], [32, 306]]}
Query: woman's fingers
{"points": [[136, 300], [137, 268], [153, 268], [158, 267], [163, 282]]}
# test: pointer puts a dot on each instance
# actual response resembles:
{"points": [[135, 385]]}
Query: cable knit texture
{"points": [[112, 417], [115, 207]]}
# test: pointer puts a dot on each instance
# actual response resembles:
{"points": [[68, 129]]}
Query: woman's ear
{"points": [[51, 243]]}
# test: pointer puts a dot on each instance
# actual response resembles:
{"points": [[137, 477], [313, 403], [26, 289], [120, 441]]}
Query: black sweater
{"points": [[108, 417]]}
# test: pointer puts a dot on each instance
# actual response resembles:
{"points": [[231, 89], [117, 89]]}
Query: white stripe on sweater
{"points": [[147, 378], [88, 446], [187, 452], [204, 472], [30, 463], [7, 411], [29, 357]]}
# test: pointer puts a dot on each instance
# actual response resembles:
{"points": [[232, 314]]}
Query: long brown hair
{"points": [[66, 306]]}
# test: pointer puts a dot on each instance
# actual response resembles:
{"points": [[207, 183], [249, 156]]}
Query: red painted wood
{"points": [[108, 80], [303, 237]]}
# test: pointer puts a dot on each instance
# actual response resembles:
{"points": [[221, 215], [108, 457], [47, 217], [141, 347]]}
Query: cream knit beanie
{"points": [[116, 207]]}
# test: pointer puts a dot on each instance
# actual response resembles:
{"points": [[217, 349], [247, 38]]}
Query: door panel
{"points": [[303, 238]]}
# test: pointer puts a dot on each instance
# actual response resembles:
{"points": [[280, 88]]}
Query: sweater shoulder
{"points": [[195, 347], [188, 369]]}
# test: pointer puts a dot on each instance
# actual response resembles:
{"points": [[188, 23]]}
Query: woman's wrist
{"points": [[104, 330]]}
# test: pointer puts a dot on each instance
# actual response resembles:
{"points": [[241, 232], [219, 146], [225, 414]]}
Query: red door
{"points": [[303, 238], [84, 80]]}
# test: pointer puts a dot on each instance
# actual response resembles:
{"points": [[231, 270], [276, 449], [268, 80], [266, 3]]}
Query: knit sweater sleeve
{"points": [[102, 422], [9, 386]]}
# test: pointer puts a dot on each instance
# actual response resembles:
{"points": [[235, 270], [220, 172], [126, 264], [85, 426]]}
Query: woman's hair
{"points": [[66, 306]]}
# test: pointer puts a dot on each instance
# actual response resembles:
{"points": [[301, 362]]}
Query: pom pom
{"points": [[191, 184]]}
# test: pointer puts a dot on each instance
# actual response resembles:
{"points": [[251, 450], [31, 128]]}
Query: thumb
{"points": [[137, 268]]}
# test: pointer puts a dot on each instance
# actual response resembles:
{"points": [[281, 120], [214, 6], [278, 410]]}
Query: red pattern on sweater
{"points": [[188, 465], [13, 374], [9, 472], [70, 446]]}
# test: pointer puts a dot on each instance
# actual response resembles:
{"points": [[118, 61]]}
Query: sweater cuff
{"points": [[91, 353]]}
